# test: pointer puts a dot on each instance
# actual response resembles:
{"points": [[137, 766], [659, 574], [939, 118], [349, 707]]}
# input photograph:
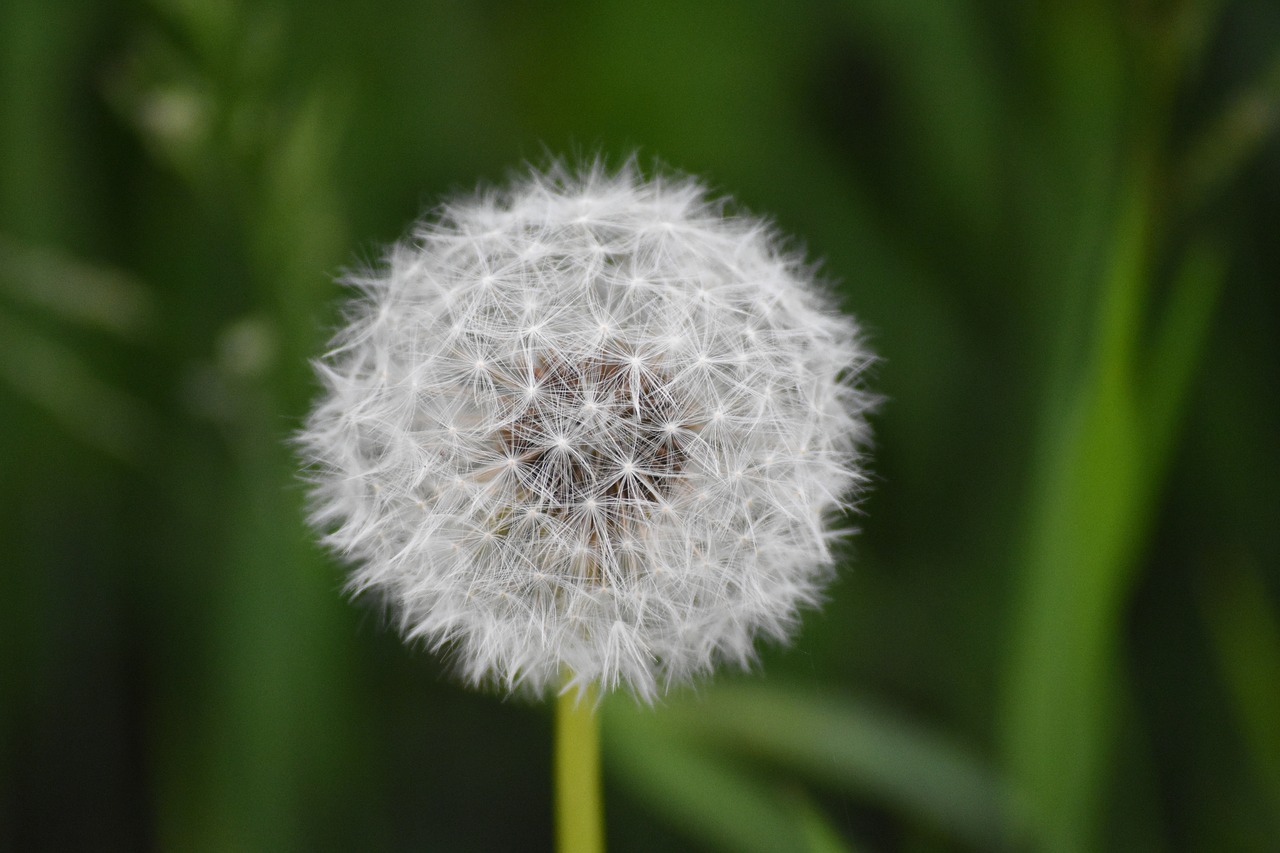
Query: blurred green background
{"points": [[1060, 627]]}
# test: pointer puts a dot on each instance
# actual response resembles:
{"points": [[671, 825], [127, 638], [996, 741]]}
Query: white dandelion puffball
{"points": [[589, 425]]}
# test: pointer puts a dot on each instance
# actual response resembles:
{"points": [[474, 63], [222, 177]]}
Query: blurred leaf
{"points": [[1225, 147], [1245, 630], [820, 835], [207, 90], [300, 238], [854, 747], [1091, 506], [1101, 467], [212, 27], [1179, 343], [59, 381], [74, 291], [170, 108], [953, 111], [703, 794], [43, 50]]}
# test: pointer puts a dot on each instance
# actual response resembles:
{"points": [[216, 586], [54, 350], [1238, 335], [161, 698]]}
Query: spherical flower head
{"points": [[589, 424]]}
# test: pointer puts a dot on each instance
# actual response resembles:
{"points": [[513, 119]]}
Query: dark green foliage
{"points": [[1060, 627]]}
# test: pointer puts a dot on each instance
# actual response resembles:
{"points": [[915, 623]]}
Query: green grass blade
{"points": [[73, 291], [1090, 508], [854, 747], [1245, 633], [1179, 343], [697, 791], [820, 835]]}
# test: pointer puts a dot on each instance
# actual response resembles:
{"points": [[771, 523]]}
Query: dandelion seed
{"points": [[631, 424]]}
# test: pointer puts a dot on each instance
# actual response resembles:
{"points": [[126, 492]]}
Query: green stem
{"points": [[579, 806]]}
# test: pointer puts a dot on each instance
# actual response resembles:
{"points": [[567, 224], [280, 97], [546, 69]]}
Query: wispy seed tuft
{"points": [[589, 423]]}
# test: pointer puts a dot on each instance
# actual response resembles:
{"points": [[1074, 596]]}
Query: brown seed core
{"points": [[596, 442]]}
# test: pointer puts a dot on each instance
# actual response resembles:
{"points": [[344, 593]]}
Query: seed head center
{"points": [[595, 441]]}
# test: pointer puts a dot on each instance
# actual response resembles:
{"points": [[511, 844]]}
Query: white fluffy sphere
{"points": [[589, 425]]}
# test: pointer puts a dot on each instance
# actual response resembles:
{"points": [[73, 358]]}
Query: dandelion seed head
{"points": [[589, 423]]}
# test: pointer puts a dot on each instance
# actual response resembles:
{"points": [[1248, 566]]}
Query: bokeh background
{"points": [[1060, 627]]}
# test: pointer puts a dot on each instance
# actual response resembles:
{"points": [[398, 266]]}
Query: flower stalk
{"points": [[578, 801]]}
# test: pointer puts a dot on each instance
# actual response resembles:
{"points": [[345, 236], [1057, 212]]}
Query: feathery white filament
{"points": [[592, 424]]}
